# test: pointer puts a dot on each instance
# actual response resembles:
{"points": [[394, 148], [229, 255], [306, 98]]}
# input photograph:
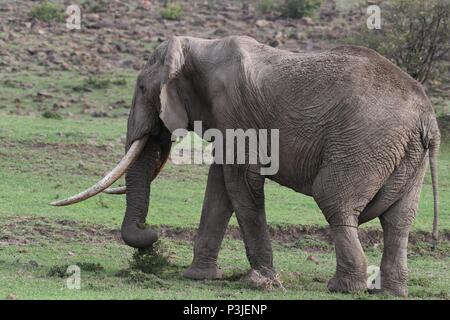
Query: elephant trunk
{"points": [[138, 180]]}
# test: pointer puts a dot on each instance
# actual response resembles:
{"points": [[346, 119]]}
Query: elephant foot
{"points": [[265, 279], [394, 288], [196, 273], [345, 283]]}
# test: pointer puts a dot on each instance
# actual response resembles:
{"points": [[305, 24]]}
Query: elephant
{"points": [[355, 133]]}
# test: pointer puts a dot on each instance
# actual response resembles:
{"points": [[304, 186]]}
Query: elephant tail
{"points": [[433, 154], [431, 141]]}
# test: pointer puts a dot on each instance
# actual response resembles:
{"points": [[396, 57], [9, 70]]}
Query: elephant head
{"points": [[157, 109]]}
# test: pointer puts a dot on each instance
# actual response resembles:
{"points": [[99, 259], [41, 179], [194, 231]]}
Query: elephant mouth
{"points": [[132, 154]]}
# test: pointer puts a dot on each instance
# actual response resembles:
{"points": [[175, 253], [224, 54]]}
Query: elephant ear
{"points": [[173, 111]]}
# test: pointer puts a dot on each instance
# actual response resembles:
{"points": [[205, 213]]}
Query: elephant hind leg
{"points": [[351, 266], [398, 184], [342, 195], [396, 223]]}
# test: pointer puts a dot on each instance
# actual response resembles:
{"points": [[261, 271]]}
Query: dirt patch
{"points": [[78, 159], [27, 230], [83, 150]]}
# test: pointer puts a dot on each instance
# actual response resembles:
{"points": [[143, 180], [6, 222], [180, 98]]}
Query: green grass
{"points": [[47, 11], [73, 96], [303, 279], [173, 11]]}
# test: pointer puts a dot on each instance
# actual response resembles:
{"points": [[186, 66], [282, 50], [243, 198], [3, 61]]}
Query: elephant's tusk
{"points": [[110, 178], [123, 189], [118, 190]]}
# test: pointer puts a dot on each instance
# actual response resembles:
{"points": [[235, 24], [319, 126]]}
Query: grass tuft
{"points": [[47, 11], [172, 11], [60, 271], [312, 243], [152, 260], [52, 115]]}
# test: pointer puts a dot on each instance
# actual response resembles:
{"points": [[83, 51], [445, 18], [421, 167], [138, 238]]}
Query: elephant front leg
{"points": [[245, 187], [216, 214]]}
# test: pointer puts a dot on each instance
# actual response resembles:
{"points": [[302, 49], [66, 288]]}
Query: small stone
{"points": [[261, 23], [313, 259], [81, 165], [307, 20], [274, 43], [33, 264], [11, 296], [44, 94]]}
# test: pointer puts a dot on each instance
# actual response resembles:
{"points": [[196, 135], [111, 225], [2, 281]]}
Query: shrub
{"points": [[172, 11], [61, 270], [266, 6], [415, 34], [152, 260], [299, 8], [47, 11], [52, 115], [97, 83], [95, 6]]}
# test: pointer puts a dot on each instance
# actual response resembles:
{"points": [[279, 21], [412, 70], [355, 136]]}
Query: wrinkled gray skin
{"points": [[354, 134]]}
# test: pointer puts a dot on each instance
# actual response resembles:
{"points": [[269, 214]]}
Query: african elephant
{"points": [[354, 133]]}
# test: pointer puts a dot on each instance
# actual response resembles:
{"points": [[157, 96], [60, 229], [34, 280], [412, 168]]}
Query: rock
{"points": [[220, 32], [99, 114], [274, 43], [33, 264], [81, 165], [307, 21], [261, 23], [313, 259], [11, 296], [31, 51], [17, 103], [126, 63], [137, 64], [44, 94]]}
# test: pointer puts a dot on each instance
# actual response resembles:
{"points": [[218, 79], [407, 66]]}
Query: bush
{"points": [[47, 11], [299, 8], [152, 260], [52, 115], [95, 6], [61, 270], [266, 6], [172, 11], [97, 83], [414, 34]]}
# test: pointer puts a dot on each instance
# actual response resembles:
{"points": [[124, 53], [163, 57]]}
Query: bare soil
{"points": [[28, 230]]}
